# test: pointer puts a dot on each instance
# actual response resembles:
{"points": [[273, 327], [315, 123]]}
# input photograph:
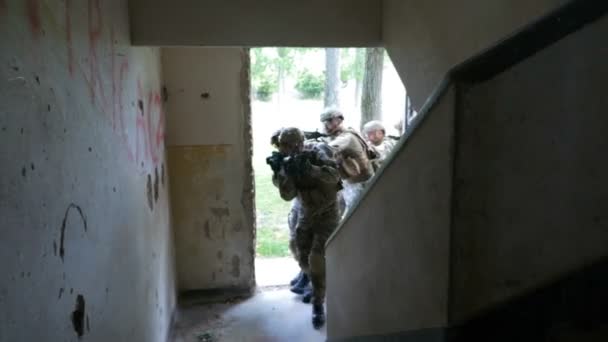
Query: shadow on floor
{"points": [[272, 314]]}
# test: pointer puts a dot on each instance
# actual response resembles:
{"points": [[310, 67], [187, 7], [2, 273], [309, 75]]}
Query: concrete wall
{"points": [[83, 187], [257, 23], [425, 39], [209, 137], [387, 268], [531, 173]]}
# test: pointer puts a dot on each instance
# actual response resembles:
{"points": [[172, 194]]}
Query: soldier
{"points": [[315, 182], [353, 154], [301, 283], [399, 126], [376, 136]]}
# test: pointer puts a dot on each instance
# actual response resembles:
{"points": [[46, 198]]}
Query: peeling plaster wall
{"points": [[210, 162], [85, 241]]}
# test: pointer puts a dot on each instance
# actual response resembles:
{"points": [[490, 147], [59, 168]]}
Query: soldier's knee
{"points": [[317, 262]]}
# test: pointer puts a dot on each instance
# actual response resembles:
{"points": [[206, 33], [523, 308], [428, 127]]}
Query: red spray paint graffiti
{"points": [[148, 137], [95, 31], [68, 36], [145, 148], [32, 9], [118, 117]]}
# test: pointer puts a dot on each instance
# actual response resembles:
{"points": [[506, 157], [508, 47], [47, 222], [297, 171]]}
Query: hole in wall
{"points": [[156, 194], [149, 192], [78, 316], [162, 174]]}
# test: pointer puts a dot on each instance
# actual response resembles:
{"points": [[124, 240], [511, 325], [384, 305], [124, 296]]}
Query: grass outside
{"points": [[271, 212]]}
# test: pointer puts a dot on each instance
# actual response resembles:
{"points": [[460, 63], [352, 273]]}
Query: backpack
{"points": [[369, 151]]}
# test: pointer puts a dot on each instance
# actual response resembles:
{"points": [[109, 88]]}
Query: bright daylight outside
{"points": [[290, 88]]}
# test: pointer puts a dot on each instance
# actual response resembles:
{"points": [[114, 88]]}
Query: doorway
{"points": [[290, 87]]}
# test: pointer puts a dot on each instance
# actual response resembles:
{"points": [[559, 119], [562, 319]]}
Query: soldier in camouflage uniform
{"points": [[353, 155], [375, 134], [315, 184], [301, 283]]}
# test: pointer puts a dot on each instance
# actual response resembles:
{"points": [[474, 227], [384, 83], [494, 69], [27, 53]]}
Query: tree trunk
{"points": [[332, 77], [371, 97], [359, 66], [280, 84]]}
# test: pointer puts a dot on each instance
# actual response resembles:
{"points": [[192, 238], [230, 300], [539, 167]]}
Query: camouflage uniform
{"points": [[292, 220], [384, 148], [315, 213], [352, 157], [292, 217]]}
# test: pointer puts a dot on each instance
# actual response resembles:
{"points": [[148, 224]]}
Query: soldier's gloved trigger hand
{"points": [[306, 166], [303, 163], [289, 166]]}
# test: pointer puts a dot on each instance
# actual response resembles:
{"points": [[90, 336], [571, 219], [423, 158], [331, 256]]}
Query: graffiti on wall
{"points": [[111, 84]]}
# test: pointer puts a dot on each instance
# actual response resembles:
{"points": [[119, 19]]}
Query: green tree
{"points": [[332, 77], [284, 66], [371, 99], [358, 72], [352, 68], [263, 78], [309, 85]]}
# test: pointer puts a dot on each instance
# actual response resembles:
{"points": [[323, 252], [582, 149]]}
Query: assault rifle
{"points": [[299, 164], [275, 161], [309, 135], [296, 165]]}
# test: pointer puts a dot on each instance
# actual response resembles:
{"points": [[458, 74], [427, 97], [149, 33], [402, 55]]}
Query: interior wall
{"points": [[531, 174], [311, 23], [425, 39], [85, 242], [387, 267], [209, 137]]}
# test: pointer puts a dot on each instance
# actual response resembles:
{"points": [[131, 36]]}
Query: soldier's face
{"points": [[331, 126], [375, 137], [290, 149]]}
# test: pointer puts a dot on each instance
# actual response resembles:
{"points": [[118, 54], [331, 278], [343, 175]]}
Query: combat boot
{"points": [[318, 316], [307, 296], [301, 285], [296, 279]]}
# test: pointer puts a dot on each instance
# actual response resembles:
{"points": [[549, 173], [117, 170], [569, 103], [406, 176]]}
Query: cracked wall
{"points": [[85, 243]]}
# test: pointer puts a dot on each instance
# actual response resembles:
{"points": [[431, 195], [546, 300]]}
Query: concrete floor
{"points": [[275, 271], [273, 314]]}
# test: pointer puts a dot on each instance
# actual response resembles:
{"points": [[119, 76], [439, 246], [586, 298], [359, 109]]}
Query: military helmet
{"points": [[291, 136], [331, 113], [373, 125]]}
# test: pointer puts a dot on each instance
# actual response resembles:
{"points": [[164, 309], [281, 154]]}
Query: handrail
{"points": [[430, 103], [503, 55]]}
